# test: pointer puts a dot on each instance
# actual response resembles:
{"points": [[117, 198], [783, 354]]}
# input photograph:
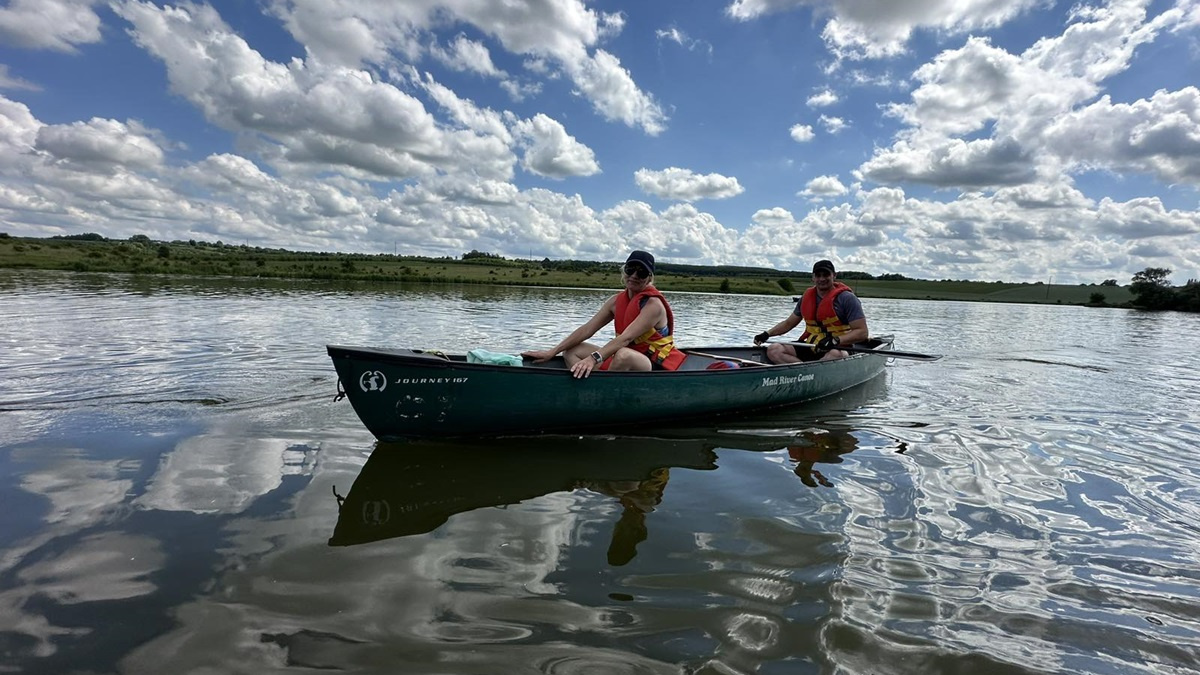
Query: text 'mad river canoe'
{"points": [[409, 393]]}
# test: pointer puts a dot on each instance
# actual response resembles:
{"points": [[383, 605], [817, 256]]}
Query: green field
{"points": [[140, 255]]}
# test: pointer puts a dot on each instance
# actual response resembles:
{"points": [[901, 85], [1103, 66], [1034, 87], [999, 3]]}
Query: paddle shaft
{"points": [[726, 358], [890, 353]]}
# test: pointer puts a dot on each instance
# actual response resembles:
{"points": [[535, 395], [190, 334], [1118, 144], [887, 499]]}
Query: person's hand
{"points": [[762, 337], [828, 342], [583, 368], [539, 355]]}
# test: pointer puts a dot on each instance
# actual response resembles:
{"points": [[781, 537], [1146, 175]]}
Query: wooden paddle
{"points": [[735, 359], [890, 353]]}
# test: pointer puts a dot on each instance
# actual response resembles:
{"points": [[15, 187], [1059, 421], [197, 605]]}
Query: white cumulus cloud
{"points": [[552, 152], [801, 133], [685, 185], [824, 186], [57, 25]]}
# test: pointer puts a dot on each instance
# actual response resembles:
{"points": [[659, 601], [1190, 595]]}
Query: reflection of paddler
{"points": [[637, 499], [826, 447]]}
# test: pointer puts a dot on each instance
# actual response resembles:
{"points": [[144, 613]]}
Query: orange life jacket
{"points": [[821, 321], [654, 344]]}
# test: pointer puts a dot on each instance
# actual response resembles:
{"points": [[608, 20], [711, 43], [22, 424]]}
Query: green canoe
{"points": [[409, 393]]}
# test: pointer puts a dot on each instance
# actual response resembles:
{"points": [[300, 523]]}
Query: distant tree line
{"points": [[1150, 287]]}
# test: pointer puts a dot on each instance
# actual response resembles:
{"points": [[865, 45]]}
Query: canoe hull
{"points": [[403, 394]]}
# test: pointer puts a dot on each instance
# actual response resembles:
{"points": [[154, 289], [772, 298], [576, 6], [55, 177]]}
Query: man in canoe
{"points": [[644, 325], [832, 316]]}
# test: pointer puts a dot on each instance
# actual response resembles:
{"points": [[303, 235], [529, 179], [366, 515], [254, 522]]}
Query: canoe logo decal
{"points": [[432, 380], [372, 380], [782, 379], [376, 512]]}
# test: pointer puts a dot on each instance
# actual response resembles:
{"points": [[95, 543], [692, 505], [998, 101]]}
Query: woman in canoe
{"points": [[644, 324]]}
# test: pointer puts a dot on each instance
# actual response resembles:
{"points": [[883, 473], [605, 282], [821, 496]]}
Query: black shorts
{"points": [[807, 353]]}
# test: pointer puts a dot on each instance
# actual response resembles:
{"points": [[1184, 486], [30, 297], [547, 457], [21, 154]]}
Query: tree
{"points": [[1158, 276], [786, 285], [1152, 288], [1109, 282], [725, 288], [1096, 299]]}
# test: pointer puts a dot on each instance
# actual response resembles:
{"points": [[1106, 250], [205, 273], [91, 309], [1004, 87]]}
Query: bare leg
{"points": [[628, 359], [581, 351], [781, 353]]}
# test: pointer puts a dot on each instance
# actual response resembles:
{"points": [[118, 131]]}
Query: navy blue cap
{"points": [[642, 257]]}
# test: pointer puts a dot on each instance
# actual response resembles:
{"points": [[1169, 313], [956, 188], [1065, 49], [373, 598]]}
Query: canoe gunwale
{"points": [[424, 359]]}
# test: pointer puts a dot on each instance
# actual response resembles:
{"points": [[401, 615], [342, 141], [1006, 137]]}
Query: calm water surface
{"points": [[172, 464]]}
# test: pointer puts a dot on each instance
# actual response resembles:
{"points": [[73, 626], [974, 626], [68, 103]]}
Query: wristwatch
{"points": [[597, 357]]}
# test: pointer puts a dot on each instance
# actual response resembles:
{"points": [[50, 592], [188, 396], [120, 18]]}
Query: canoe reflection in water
{"points": [[413, 488]]}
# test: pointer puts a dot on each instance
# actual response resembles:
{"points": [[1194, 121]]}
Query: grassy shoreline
{"points": [[140, 255]]}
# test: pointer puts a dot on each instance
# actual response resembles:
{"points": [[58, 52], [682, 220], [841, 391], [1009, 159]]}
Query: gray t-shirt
{"points": [[846, 305]]}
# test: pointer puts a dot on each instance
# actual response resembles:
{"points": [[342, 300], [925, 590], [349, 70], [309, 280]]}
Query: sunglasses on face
{"points": [[635, 270]]}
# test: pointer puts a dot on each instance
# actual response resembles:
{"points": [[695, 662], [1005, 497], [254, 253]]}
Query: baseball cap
{"points": [[642, 257]]}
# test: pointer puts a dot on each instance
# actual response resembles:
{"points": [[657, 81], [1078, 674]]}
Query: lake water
{"points": [[172, 463]]}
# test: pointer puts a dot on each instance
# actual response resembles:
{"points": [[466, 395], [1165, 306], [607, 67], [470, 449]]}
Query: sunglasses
{"points": [[635, 270]]}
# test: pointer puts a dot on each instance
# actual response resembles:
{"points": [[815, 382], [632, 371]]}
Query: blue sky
{"points": [[1015, 140]]}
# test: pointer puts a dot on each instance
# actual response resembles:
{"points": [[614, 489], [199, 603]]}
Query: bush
{"points": [[1189, 297]]}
